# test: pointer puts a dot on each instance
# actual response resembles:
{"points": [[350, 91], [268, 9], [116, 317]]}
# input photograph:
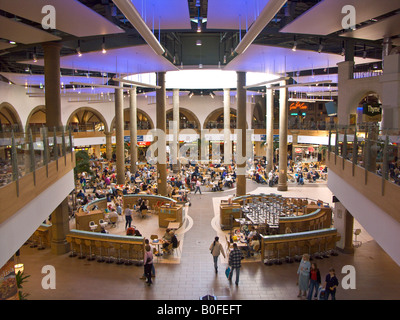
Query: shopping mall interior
{"points": [[135, 132]]}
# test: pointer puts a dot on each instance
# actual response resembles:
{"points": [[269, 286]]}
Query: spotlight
{"points": [[191, 94], [320, 46], [78, 50], [198, 43], [294, 46], [34, 58], [103, 46], [199, 25], [364, 52]]}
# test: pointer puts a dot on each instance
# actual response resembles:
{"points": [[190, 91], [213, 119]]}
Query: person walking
{"points": [[148, 264], [198, 184], [235, 262], [216, 249], [304, 274], [331, 283], [128, 216], [315, 281]]}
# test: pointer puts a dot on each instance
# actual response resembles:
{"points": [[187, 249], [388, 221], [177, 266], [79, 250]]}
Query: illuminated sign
{"points": [[298, 105]]}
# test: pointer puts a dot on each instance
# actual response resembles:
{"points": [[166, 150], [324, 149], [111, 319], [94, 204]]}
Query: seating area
{"points": [[319, 244], [108, 248]]}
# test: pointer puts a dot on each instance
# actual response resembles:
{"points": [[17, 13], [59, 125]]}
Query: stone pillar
{"points": [[270, 130], [59, 217], [345, 73], [174, 147], [52, 84], [390, 82], [241, 139], [133, 128], [161, 122], [348, 236], [227, 127], [60, 228], [119, 134], [283, 137], [108, 145]]}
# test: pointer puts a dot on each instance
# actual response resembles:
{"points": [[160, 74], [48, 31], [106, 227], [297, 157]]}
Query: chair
{"points": [[103, 223], [138, 254], [99, 246], [356, 243], [88, 243], [154, 237], [319, 241], [114, 221], [79, 243], [168, 248], [92, 226]]}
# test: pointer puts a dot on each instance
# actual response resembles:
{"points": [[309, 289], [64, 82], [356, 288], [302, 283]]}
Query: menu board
{"points": [[8, 282]]}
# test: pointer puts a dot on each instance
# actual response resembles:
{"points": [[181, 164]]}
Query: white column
{"points": [[270, 129], [176, 125], [133, 127], [283, 133], [227, 127], [119, 134]]}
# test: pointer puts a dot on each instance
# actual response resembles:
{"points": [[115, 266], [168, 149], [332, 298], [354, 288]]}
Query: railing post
{"points": [[14, 162], [367, 146], [32, 157], [336, 143], [70, 142], [55, 147], [64, 150], [385, 169], [46, 151], [329, 143], [344, 147], [355, 149]]}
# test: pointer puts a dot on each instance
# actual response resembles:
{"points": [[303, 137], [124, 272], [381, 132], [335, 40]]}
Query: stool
{"points": [[117, 246], [325, 253], [71, 244], [38, 235], [310, 244], [270, 248], [34, 240], [138, 254], [291, 245], [127, 247], [107, 246], [318, 255], [300, 245], [88, 244], [279, 247], [99, 246], [79, 243]]}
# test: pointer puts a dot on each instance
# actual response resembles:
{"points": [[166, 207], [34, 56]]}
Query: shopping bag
{"points": [[227, 271]]}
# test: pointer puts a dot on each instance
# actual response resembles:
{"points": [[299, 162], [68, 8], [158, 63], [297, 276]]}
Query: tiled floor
{"points": [[192, 274]]}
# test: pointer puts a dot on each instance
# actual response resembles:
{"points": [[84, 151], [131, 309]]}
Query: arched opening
{"points": [[36, 119], [187, 119], [215, 120], [144, 121], [9, 118], [258, 118], [86, 119]]}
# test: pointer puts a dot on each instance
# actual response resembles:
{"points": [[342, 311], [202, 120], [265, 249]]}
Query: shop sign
{"points": [[297, 105], [372, 110]]}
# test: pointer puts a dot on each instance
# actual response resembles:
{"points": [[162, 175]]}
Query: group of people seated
{"points": [[249, 236], [170, 241]]}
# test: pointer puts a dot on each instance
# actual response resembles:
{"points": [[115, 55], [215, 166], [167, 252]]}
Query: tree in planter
{"points": [[82, 163], [21, 278]]}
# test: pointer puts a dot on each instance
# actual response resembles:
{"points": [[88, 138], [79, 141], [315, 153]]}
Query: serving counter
{"points": [[83, 218], [170, 213]]}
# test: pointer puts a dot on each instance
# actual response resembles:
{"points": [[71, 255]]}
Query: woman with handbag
{"points": [[216, 249], [148, 264]]}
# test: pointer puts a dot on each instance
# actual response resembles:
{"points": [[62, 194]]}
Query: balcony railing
{"points": [[367, 146], [24, 153]]}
